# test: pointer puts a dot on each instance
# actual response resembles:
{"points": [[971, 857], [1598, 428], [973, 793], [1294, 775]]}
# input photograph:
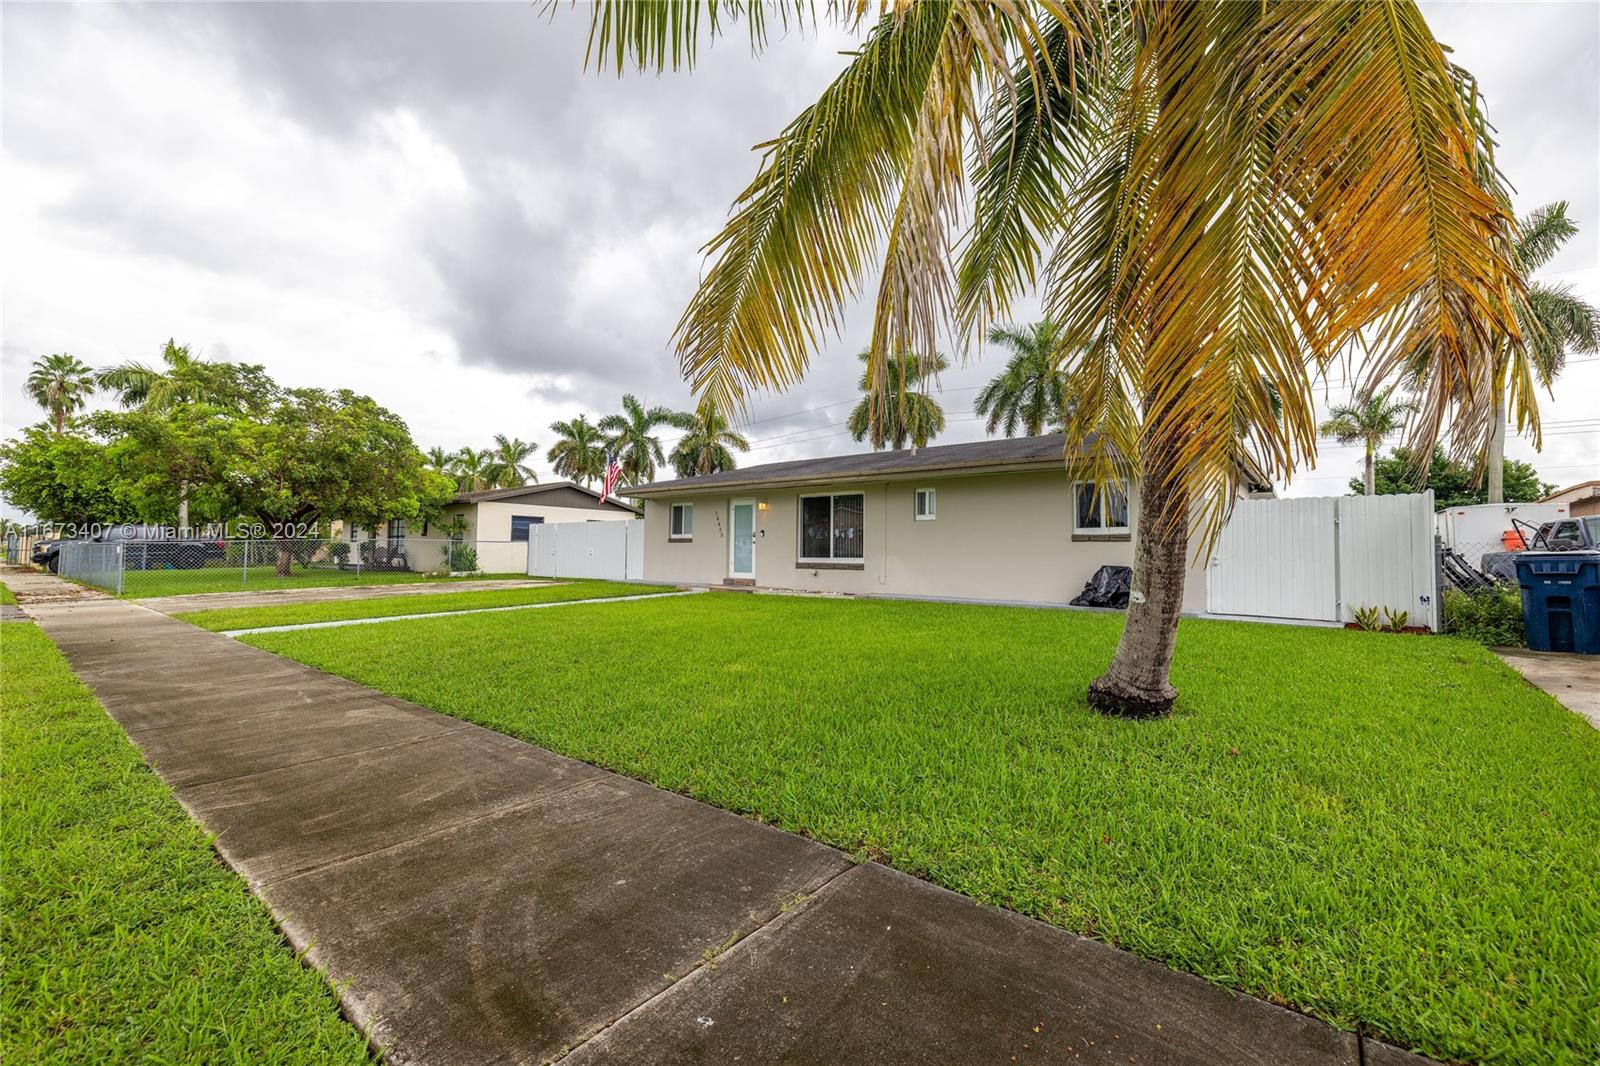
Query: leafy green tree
{"points": [[1367, 419], [579, 453], [1214, 198], [897, 409], [73, 479], [1454, 484], [511, 457], [61, 384], [631, 437], [1031, 392], [707, 444]]}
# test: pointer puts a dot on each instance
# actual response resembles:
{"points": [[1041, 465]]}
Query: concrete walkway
{"points": [[480, 900], [245, 597], [1574, 680]]}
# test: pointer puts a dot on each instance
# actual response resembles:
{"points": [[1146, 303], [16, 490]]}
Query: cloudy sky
{"points": [[437, 206]]}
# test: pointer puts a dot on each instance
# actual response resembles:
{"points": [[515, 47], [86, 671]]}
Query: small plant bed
{"points": [[227, 618], [1397, 836], [124, 939], [147, 584]]}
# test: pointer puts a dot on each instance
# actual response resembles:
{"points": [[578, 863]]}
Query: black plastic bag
{"points": [[1107, 588]]}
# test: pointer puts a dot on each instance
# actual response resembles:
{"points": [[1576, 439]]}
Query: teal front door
{"points": [[742, 549]]}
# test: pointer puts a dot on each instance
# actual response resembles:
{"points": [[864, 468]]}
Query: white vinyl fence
{"points": [[1318, 559], [612, 551]]}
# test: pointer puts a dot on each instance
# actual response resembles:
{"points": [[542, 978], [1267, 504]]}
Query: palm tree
{"points": [[706, 446], [1554, 320], [474, 470], [440, 459], [511, 462], [1031, 391], [61, 384], [631, 437], [182, 379], [901, 410], [1367, 419], [1208, 197], [579, 453]]}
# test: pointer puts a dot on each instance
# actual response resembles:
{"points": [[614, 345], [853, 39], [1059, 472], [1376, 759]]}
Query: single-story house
{"points": [[1582, 499], [497, 525], [990, 520]]}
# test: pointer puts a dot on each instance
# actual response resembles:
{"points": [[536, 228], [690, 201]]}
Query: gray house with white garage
{"points": [[990, 520]]}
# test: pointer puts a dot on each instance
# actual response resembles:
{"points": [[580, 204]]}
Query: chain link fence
{"points": [[167, 567]]}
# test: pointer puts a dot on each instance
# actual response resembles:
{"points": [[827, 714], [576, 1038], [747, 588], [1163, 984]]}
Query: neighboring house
{"points": [[1583, 499], [992, 520], [497, 524]]}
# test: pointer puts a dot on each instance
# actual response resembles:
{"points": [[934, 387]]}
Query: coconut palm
{"points": [[473, 470], [1209, 198], [1554, 320], [1030, 393], [630, 436], [180, 379], [707, 444], [440, 459], [61, 384], [1367, 419], [511, 462], [897, 408], [579, 453]]}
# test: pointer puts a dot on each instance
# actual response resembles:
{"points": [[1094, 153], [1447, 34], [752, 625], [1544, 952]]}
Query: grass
{"points": [[1394, 833], [143, 584], [395, 606], [123, 937], [7, 596]]}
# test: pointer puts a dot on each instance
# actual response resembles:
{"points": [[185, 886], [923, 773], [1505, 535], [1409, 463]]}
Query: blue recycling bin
{"points": [[1561, 600]]}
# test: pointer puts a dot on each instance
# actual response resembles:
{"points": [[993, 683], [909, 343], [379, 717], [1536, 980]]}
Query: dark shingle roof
{"points": [[982, 454], [532, 490]]}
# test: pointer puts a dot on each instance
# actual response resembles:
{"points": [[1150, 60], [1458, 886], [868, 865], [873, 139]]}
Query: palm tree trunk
{"points": [[1497, 456], [1367, 478], [1138, 683], [183, 506]]}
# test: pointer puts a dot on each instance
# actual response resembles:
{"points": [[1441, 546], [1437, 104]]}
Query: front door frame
{"points": [[734, 505]]}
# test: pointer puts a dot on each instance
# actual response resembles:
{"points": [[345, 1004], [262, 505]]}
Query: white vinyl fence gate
{"points": [[1318, 559], [611, 551]]}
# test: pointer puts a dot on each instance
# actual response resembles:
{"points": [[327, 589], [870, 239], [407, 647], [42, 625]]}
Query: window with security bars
{"points": [[833, 528]]}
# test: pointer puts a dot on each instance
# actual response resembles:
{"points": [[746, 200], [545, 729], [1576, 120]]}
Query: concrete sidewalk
{"points": [[1574, 680], [247, 597], [480, 900]]}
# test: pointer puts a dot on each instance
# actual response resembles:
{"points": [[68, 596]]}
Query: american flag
{"points": [[613, 474]]}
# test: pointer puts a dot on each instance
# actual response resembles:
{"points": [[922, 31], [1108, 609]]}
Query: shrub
{"points": [[1493, 616]]}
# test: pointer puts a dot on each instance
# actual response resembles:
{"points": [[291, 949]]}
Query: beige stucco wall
{"points": [[995, 537]]}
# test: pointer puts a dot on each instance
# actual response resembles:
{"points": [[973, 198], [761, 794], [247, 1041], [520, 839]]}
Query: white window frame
{"points": [[672, 521], [1100, 505], [800, 529], [932, 512]]}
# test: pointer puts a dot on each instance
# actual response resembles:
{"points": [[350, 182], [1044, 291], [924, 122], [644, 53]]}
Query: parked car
{"points": [[1567, 535], [46, 553], [158, 548]]}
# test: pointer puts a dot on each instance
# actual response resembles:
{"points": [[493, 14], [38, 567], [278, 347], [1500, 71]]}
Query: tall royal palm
{"points": [[897, 409], [708, 443], [181, 378], [61, 384], [1215, 200], [630, 435], [511, 459], [1367, 420], [1031, 392], [579, 453], [1554, 321], [474, 470]]}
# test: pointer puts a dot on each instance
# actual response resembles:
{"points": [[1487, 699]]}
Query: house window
{"points": [[1100, 512], [521, 523], [927, 508], [682, 522], [832, 528], [396, 532]]}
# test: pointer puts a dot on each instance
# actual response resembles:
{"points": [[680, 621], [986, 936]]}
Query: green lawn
{"points": [[394, 606], [124, 939], [1394, 833], [142, 584], [7, 596]]}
